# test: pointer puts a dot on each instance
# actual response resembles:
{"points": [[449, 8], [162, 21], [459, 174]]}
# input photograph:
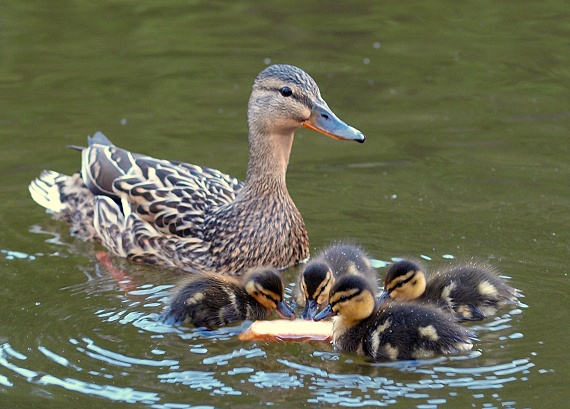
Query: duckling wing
{"points": [[410, 331], [473, 291]]}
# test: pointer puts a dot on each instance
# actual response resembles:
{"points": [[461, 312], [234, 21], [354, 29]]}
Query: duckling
{"points": [[472, 291], [317, 278], [209, 299], [180, 215], [390, 331]]}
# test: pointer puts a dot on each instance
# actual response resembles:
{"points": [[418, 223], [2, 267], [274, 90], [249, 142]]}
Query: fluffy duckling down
{"points": [[470, 290], [209, 300], [319, 275], [389, 331]]}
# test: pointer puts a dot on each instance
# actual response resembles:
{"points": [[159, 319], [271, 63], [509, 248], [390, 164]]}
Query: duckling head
{"points": [[352, 298], [316, 282], [266, 287], [404, 281]]}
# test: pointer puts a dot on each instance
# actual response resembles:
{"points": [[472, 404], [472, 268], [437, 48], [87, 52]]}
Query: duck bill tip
{"points": [[310, 310], [351, 134], [325, 313], [284, 311], [323, 120], [384, 297]]}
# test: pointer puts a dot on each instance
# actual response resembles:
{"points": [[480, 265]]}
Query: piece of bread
{"points": [[286, 330]]}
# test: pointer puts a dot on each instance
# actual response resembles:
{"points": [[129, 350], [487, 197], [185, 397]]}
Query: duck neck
{"points": [[268, 159]]}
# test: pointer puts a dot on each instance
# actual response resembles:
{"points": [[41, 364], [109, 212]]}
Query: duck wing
{"points": [[172, 196]]}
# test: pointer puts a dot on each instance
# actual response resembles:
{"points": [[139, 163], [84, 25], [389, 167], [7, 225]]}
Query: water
{"points": [[466, 111]]}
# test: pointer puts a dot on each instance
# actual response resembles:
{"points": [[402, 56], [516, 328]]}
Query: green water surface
{"points": [[467, 112]]}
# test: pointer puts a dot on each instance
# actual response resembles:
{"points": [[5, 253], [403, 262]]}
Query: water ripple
{"points": [[263, 379], [107, 391], [5, 381], [225, 358], [6, 351], [180, 406], [115, 358], [194, 379], [356, 390], [17, 255], [57, 358], [510, 367], [309, 376]]}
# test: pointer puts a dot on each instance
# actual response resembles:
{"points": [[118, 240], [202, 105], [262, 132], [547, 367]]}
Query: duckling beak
{"points": [[323, 120], [384, 297], [311, 307], [284, 311], [325, 313]]}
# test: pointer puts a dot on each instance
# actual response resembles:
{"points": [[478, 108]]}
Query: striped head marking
{"points": [[352, 298], [266, 287], [317, 281], [405, 281]]}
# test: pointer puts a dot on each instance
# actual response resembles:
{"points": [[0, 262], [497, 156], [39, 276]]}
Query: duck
{"points": [[212, 300], [317, 278], [389, 331], [175, 214], [472, 291]]}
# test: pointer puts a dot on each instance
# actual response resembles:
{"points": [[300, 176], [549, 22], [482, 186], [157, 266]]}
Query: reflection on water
{"points": [[467, 155], [106, 391], [215, 363]]}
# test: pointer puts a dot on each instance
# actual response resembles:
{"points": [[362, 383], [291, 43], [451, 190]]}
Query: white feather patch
{"points": [[45, 191]]}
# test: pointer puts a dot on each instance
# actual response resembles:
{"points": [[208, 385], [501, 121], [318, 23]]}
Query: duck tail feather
{"points": [[99, 139], [45, 190]]}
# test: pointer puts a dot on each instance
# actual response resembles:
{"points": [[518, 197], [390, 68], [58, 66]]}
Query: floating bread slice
{"points": [[285, 330]]}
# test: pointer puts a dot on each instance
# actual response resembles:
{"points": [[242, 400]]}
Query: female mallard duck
{"points": [[208, 300], [181, 215], [317, 278], [471, 291], [393, 330]]}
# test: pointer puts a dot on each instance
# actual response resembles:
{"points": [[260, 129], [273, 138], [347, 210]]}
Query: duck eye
{"points": [[401, 283], [286, 91]]}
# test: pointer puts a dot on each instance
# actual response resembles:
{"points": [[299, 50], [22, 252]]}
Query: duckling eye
{"points": [[400, 283], [286, 91]]}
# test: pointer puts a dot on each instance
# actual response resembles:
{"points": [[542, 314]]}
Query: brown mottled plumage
{"points": [[395, 330], [210, 300], [175, 214], [319, 275], [471, 290]]}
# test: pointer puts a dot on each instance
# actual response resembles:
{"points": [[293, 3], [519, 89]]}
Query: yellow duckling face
{"points": [[351, 298], [266, 287], [404, 281], [316, 283]]}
